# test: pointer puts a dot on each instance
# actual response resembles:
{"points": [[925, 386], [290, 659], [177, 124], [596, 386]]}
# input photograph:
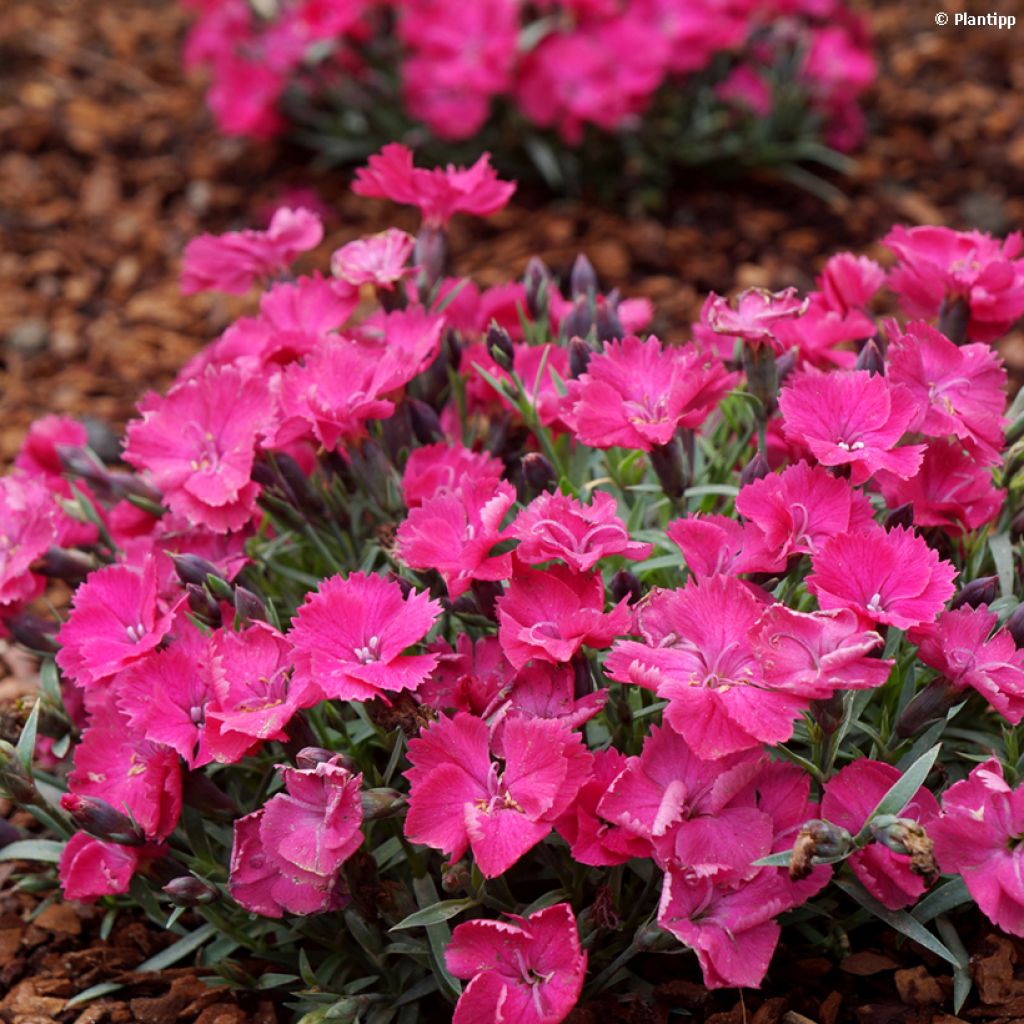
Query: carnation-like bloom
{"points": [[801, 508], [938, 265], [28, 527], [849, 282], [287, 856], [714, 545], [550, 614], [440, 467], [381, 259], [556, 526], [636, 394], [962, 646], [197, 445], [528, 970], [460, 798], [454, 532], [438, 193], [849, 798], [819, 335], [696, 653], [958, 390], [853, 418], [349, 637], [233, 262], [885, 576], [979, 836], [754, 316], [90, 868]]}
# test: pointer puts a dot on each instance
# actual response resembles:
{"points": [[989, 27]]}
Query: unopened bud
{"points": [[582, 677], [930, 703], [906, 836], [203, 606], [499, 346], [456, 877], [579, 356], [202, 793], [101, 820], [870, 359], [762, 377], [667, 461], [248, 606], [538, 473], [901, 515], [756, 469], [583, 279], [381, 803], [33, 632], [310, 757], [189, 891], [486, 594], [817, 839], [828, 713], [954, 316], [294, 476], [430, 255], [426, 425], [607, 324], [537, 282], [14, 780], [785, 365], [1015, 625], [625, 585], [64, 564], [981, 591], [580, 321], [193, 569]]}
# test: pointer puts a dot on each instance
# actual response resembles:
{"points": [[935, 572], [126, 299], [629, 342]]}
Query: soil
{"points": [[109, 164]]}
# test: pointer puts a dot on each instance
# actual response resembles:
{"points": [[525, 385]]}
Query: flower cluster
{"points": [[488, 589]]}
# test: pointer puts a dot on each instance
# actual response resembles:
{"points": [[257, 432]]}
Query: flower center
{"points": [[369, 653]]}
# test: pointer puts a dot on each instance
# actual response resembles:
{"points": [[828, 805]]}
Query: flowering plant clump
{"points": [[461, 650], [664, 82]]}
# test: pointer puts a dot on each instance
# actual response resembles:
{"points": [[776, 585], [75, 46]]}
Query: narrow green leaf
{"points": [[46, 850], [442, 911], [26, 747], [774, 860], [439, 935], [902, 791], [946, 897], [961, 973], [1002, 554]]}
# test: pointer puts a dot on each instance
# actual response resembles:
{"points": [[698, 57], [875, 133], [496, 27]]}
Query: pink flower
{"points": [[439, 193], [849, 798], [950, 491], [543, 690], [801, 508], [287, 856], [198, 443], [233, 262], [849, 282], [460, 798], [528, 970], [885, 576], [550, 614], [852, 418], [475, 677], [636, 394], [744, 87], [714, 545], [696, 653], [440, 467], [28, 528], [755, 315], [454, 532], [817, 335], [243, 99], [554, 526], [90, 868], [349, 638], [978, 836], [939, 266], [813, 654], [116, 620], [960, 647], [380, 259], [958, 391]]}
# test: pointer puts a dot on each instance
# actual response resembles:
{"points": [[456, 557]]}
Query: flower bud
{"points": [[193, 569], [582, 678], [762, 377], [954, 317], [486, 594], [580, 321], [297, 482], [828, 713], [606, 320], [202, 793], [981, 591], [310, 757], [430, 255], [33, 632], [456, 877], [538, 473], [381, 803], [64, 564], [870, 359], [15, 782], [756, 469], [101, 820], [667, 461], [248, 606], [817, 839], [603, 912], [624, 584], [583, 279], [426, 425], [203, 606], [499, 345], [906, 836], [189, 891], [901, 515], [1014, 625], [579, 357], [785, 365], [537, 282], [930, 703]]}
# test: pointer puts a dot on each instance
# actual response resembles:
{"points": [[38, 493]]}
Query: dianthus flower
{"points": [[716, 545], [439, 467], [454, 532], [555, 526], [636, 394], [475, 676], [28, 528], [90, 868], [939, 266], [197, 445], [978, 835], [962, 646], [460, 798], [755, 315], [438, 193], [380, 259], [885, 576], [852, 418], [816, 336], [550, 614], [529, 970], [350, 635], [959, 391], [233, 262], [696, 653], [849, 798], [850, 282]]}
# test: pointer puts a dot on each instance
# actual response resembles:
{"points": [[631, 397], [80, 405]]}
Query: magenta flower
{"points": [[454, 532], [885, 576], [818, 335], [849, 798], [438, 193], [116, 620], [543, 690], [813, 654], [851, 418], [939, 265], [528, 970], [28, 528], [950, 491], [554, 526], [716, 545], [90, 868], [381, 259], [440, 467], [696, 653], [801, 508], [287, 856], [959, 646], [636, 394], [755, 315], [349, 638], [233, 262], [850, 282], [197, 445], [550, 614], [958, 391], [462, 799], [475, 677], [978, 835]]}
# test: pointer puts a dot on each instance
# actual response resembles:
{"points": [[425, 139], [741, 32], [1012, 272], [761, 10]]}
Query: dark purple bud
{"points": [[756, 469], [954, 317], [607, 322], [202, 793], [928, 704], [667, 461], [580, 321], [582, 677], [902, 515], [65, 564], [1015, 625], [381, 803], [203, 605], [785, 365], [426, 425], [486, 593], [981, 591], [248, 606], [84, 463], [298, 484], [624, 584], [101, 820], [538, 473], [537, 281], [431, 256], [828, 713], [762, 377], [189, 891], [193, 569], [263, 474], [583, 279], [452, 349], [499, 345], [579, 357], [33, 632], [870, 359], [8, 833], [102, 439]]}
